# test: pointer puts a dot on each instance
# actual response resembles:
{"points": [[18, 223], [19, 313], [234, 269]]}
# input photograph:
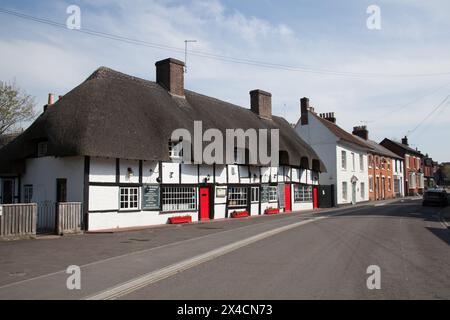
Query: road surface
{"points": [[296, 256]]}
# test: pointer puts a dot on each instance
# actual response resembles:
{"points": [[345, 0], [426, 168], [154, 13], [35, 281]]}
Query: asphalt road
{"points": [[296, 256]]}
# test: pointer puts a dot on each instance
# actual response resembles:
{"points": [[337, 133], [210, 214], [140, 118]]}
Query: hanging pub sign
{"points": [[151, 197]]}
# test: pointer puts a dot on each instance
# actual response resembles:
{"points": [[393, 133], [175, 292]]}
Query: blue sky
{"points": [[328, 35]]}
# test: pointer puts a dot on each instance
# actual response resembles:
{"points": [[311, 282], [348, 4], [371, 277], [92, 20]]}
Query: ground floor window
{"points": [[129, 198], [179, 198], [389, 184], [237, 197], [28, 193], [344, 190], [273, 191], [302, 193], [371, 183], [255, 194]]}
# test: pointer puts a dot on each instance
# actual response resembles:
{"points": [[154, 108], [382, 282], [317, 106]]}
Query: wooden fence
{"points": [[70, 217], [18, 220]]}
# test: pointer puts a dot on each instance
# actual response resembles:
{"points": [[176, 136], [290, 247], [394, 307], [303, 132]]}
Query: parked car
{"points": [[435, 197]]}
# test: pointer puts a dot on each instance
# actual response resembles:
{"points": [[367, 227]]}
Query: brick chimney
{"points": [[361, 131], [304, 107], [328, 116], [405, 141], [170, 75], [261, 103], [50, 101]]}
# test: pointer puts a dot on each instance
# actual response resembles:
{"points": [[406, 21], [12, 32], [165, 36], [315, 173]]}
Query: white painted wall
{"points": [[361, 174], [102, 170], [113, 220], [123, 171], [328, 147], [150, 172], [189, 173], [265, 174], [105, 198], [171, 173], [206, 172], [221, 174], [233, 174], [43, 172]]}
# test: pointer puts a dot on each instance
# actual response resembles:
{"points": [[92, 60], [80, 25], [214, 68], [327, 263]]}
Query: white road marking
{"points": [[155, 276], [155, 248]]}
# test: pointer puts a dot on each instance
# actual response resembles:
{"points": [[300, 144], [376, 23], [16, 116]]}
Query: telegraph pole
{"points": [[185, 53]]}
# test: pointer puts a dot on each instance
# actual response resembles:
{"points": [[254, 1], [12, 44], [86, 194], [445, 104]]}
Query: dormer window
{"points": [[176, 150], [42, 149]]}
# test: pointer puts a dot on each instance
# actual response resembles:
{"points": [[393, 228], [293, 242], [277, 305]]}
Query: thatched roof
{"points": [[115, 115]]}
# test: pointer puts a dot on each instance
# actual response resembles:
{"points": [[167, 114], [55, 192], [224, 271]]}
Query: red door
{"points": [[315, 197], [204, 204], [287, 198]]}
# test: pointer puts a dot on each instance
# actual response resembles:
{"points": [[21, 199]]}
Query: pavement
{"points": [[314, 255]]}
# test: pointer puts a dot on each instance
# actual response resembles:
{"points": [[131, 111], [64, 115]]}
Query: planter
{"points": [[240, 214], [271, 211], [178, 220]]}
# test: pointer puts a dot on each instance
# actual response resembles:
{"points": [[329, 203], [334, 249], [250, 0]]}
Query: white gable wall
{"points": [[43, 172], [328, 147], [346, 175]]}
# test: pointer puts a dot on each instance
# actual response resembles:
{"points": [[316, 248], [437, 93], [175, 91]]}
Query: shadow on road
{"points": [[443, 234]]}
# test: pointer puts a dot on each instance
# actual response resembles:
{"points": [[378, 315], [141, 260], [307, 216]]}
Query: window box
{"points": [[270, 211], [239, 214], [179, 220]]}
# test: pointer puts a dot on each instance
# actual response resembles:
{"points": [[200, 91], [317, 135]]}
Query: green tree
{"points": [[15, 106]]}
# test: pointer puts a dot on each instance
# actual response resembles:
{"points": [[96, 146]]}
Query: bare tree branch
{"points": [[15, 106]]}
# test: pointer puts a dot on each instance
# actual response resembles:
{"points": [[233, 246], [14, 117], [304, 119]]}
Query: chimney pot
{"points": [[405, 141], [170, 75], [361, 131], [329, 116], [261, 103], [51, 99]]}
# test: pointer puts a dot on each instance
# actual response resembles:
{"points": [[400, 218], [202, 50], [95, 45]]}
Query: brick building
{"points": [[414, 181], [382, 164], [429, 171]]}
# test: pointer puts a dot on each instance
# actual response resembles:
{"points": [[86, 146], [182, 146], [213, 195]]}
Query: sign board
{"points": [[265, 193], [221, 192], [151, 197]]}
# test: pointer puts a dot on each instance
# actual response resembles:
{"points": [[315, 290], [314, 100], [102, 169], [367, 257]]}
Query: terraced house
{"points": [[344, 155], [107, 144], [414, 180], [384, 166]]}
